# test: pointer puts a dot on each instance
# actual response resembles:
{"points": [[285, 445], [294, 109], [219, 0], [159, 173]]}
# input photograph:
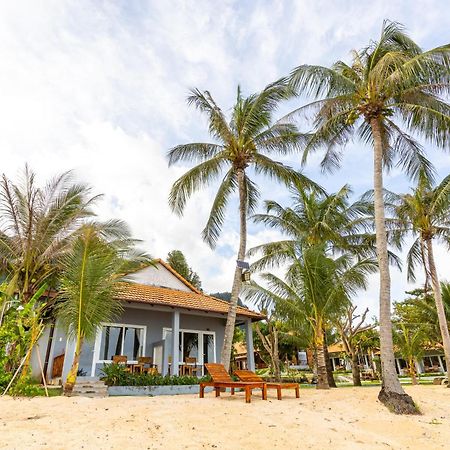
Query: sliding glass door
{"points": [[197, 344]]}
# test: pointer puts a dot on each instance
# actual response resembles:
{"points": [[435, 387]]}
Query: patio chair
{"points": [[249, 376], [221, 379], [190, 367], [145, 365], [122, 360]]}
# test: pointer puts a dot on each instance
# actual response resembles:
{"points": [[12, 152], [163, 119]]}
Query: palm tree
{"points": [[425, 214], [37, 226], [411, 343], [391, 91], [314, 218], [98, 260], [247, 141], [316, 289]]}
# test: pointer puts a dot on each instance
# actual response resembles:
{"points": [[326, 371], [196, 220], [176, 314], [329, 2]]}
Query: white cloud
{"points": [[100, 87]]}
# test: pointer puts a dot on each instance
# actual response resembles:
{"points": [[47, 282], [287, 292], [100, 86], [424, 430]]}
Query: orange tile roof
{"points": [[156, 295]]}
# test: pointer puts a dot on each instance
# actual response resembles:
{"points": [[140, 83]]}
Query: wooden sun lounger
{"points": [[249, 376], [221, 379]]}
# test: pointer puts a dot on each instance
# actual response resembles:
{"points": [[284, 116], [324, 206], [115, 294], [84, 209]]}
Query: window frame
{"points": [[98, 340]]}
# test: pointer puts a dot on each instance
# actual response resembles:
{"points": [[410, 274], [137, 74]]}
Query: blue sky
{"points": [[100, 87]]}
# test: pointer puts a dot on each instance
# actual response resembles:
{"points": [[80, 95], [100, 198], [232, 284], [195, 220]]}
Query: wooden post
{"points": [[42, 370]]}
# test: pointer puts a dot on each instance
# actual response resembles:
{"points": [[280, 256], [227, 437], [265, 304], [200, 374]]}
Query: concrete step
{"points": [[86, 388]]}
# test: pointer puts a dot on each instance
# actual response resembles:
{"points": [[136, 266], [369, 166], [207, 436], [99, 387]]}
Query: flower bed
{"points": [[116, 375]]}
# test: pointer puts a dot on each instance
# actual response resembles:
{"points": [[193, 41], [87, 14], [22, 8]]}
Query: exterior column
{"points": [[165, 362], [441, 363], [249, 343], [174, 368]]}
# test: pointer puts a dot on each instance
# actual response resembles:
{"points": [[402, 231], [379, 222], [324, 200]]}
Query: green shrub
{"points": [[27, 387], [116, 375]]}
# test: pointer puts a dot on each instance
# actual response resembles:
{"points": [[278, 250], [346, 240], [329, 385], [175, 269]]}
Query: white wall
{"points": [[158, 276]]}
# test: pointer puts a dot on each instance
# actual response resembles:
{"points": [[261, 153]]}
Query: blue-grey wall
{"points": [[155, 321]]}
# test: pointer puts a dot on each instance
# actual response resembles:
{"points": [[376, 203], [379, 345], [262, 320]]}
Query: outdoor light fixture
{"points": [[245, 276]]}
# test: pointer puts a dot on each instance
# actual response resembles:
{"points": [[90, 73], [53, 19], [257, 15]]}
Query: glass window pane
{"points": [[111, 342], [208, 348], [190, 345], [132, 343]]}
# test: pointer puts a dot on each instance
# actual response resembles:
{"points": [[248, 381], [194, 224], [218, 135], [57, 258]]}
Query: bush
{"points": [[26, 388], [116, 375]]}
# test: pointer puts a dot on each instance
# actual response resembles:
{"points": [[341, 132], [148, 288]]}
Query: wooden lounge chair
{"points": [[249, 376], [221, 379]]}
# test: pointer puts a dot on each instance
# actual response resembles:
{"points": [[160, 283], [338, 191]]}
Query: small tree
{"points": [[350, 326], [178, 262], [315, 289], [99, 259], [411, 343]]}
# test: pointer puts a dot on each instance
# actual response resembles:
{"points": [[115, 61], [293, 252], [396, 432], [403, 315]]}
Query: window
{"points": [[121, 339]]}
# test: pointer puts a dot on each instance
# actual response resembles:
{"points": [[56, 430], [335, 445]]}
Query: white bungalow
{"points": [[156, 301]]}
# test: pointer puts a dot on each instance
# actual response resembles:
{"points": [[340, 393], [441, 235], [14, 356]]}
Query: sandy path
{"points": [[345, 418]]}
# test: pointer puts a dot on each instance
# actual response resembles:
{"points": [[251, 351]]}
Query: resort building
{"points": [[433, 360], [164, 317]]}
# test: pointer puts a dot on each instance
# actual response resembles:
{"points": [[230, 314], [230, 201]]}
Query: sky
{"points": [[99, 87]]}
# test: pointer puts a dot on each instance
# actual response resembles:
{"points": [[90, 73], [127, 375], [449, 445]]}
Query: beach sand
{"points": [[345, 418]]}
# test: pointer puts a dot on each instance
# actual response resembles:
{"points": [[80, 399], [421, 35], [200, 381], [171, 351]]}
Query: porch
{"points": [[178, 341]]}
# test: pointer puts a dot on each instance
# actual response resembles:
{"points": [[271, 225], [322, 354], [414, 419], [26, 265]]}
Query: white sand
{"points": [[344, 418]]}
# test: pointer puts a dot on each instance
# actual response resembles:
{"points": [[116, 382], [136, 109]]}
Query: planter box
{"points": [[152, 391]]}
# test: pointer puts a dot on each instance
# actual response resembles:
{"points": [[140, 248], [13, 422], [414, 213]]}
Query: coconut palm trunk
{"points": [[237, 282], [328, 364], [412, 371], [356, 373], [276, 356], [322, 375], [439, 304], [392, 393], [72, 375]]}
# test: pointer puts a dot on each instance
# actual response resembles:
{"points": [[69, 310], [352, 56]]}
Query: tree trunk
{"points": [[72, 375], [328, 364], [356, 373], [392, 393], [275, 357], [237, 282], [322, 377], [439, 304], [270, 344], [412, 371]]}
